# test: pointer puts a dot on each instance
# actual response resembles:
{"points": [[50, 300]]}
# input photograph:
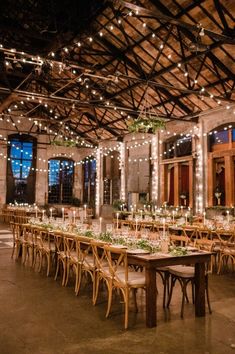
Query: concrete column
{"points": [[41, 185], [122, 162], [99, 182], [3, 173], [190, 184], [210, 181], [229, 181], [155, 170], [176, 183], [200, 161]]}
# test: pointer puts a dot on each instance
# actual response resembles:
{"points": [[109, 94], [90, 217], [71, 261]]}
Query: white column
{"points": [[122, 167], [98, 182], [155, 171], [3, 173], [199, 192], [41, 186]]}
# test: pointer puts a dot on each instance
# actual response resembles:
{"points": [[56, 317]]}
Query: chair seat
{"points": [[182, 271], [89, 261], [229, 251], [134, 278], [46, 247], [73, 257], [61, 254]]}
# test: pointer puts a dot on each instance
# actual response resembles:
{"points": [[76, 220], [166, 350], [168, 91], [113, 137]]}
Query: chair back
{"points": [[84, 250], [116, 258], [59, 240], [177, 240], [98, 253]]}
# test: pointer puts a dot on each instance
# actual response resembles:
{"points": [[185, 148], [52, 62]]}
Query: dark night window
{"points": [[178, 147], [222, 135], [60, 184], [21, 172], [89, 173]]}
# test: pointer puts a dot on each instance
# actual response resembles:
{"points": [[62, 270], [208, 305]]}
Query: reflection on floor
{"points": [[6, 240], [40, 316]]}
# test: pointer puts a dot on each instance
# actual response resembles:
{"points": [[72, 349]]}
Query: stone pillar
{"points": [[122, 166], [176, 183], [199, 185], [229, 178], [41, 185], [210, 181], [3, 173], [190, 167], [155, 170], [99, 182]]}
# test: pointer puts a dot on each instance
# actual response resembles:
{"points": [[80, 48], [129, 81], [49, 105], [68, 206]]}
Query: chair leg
{"points": [[64, 272], [184, 296], [165, 288], [48, 263], [67, 274], [207, 295], [13, 250], [110, 292], [79, 279], [97, 284], [173, 280], [126, 300], [57, 269]]}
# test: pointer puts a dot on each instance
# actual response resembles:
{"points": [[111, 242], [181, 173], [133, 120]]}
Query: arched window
{"points": [[89, 177], [221, 165], [222, 138], [60, 183], [177, 147], [21, 169]]}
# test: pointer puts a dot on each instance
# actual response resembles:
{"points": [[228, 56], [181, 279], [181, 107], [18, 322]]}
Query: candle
{"points": [[164, 227], [141, 214], [204, 218], [51, 213], [144, 207], [136, 225], [74, 216], [100, 224], [43, 212], [149, 207], [62, 214], [85, 211], [135, 207], [227, 215], [36, 209], [173, 216], [132, 212], [117, 219], [186, 219]]}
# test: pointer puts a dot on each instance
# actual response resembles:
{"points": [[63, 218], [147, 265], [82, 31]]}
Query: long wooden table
{"points": [[151, 262]]}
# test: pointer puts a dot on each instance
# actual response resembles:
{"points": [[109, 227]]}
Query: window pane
{"points": [[60, 181], [233, 134], [27, 150], [26, 168], [15, 149], [16, 168]]}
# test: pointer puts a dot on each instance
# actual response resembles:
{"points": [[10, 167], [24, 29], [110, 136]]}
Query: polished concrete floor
{"points": [[39, 316]]}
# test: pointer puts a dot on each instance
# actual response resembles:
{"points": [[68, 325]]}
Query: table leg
{"points": [[151, 293], [200, 289]]}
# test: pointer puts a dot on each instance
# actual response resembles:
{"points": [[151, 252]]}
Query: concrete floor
{"points": [[38, 315]]}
